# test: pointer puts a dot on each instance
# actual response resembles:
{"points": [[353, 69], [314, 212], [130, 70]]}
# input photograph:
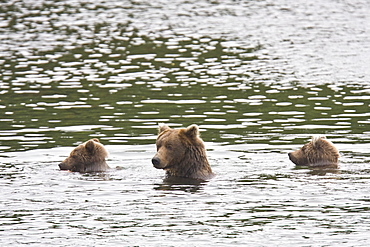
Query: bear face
{"points": [[319, 152], [87, 157], [181, 153]]}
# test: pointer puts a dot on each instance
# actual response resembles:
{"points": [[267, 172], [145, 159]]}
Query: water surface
{"points": [[258, 77]]}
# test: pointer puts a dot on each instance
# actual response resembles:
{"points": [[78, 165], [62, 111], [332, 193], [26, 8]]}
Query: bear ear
{"points": [[162, 127], [316, 140], [90, 146], [95, 140], [192, 131]]}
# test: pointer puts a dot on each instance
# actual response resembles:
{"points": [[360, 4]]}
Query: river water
{"points": [[258, 78]]}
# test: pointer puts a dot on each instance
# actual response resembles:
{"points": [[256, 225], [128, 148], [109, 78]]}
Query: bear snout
{"points": [[156, 162], [296, 158], [290, 155], [63, 166], [292, 158]]}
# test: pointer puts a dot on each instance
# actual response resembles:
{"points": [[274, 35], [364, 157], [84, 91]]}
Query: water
{"points": [[258, 77]]}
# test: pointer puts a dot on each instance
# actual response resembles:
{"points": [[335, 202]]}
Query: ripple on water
{"points": [[257, 86]]}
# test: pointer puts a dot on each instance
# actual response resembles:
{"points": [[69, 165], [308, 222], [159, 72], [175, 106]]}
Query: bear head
{"points": [[87, 157], [181, 153], [318, 152]]}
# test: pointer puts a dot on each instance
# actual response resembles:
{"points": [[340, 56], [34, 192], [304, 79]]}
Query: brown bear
{"points": [[181, 153], [319, 152], [87, 157]]}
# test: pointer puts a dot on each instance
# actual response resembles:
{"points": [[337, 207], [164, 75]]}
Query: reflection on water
{"points": [[121, 78], [183, 184], [258, 77]]}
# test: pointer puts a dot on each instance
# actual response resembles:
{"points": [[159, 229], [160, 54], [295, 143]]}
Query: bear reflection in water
{"points": [[87, 157], [181, 153], [171, 183], [319, 152]]}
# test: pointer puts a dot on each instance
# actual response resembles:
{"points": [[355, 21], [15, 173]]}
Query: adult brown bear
{"points": [[181, 153]]}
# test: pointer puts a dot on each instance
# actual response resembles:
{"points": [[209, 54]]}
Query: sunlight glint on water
{"points": [[258, 78]]}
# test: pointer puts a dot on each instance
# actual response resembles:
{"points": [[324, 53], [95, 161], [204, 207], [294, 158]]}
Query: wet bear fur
{"points": [[181, 153], [87, 157], [319, 152]]}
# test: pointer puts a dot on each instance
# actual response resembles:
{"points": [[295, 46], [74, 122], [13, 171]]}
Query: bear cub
{"points": [[87, 157], [319, 152], [181, 153]]}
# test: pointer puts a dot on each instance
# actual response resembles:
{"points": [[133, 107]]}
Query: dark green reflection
{"points": [[115, 82]]}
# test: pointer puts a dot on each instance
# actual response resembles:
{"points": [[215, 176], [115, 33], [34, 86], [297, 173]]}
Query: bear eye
{"points": [[158, 146], [169, 146]]}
